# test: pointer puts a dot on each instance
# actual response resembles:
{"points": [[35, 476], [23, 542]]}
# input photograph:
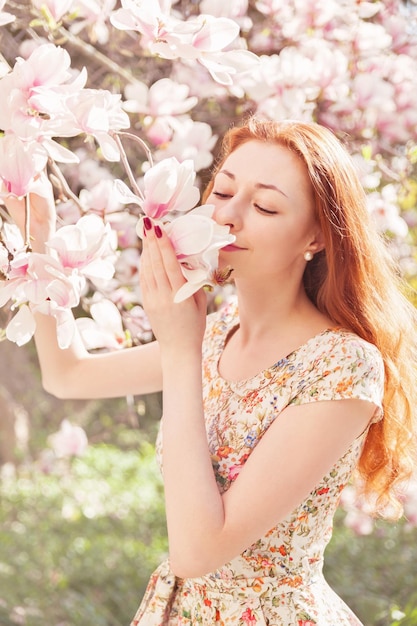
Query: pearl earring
{"points": [[308, 255]]}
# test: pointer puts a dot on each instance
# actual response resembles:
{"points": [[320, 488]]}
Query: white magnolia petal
{"points": [[8, 290], [108, 147], [63, 294], [65, 327], [99, 268], [215, 34], [188, 289], [123, 194], [58, 152], [107, 315], [190, 234], [22, 327], [95, 337]]}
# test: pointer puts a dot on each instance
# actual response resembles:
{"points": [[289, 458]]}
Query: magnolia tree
{"points": [[120, 104]]}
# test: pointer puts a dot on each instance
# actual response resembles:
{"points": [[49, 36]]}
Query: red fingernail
{"points": [[158, 231], [147, 223]]}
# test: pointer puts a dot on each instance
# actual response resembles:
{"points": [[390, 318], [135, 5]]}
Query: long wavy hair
{"points": [[355, 282]]}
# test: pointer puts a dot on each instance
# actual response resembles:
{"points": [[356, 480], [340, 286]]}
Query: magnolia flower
{"points": [[96, 112], [70, 440], [94, 14], [191, 140], [196, 239], [383, 207], [168, 190], [19, 164], [56, 8], [165, 97], [168, 187], [104, 329], [86, 246], [52, 283], [203, 38]]}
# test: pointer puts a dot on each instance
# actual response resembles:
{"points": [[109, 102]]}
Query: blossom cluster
{"points": [[179, 73], [52, 283], [41, 100]]}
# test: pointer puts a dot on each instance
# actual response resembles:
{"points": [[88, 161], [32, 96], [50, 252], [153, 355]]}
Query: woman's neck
{"points": [[274, 312]]}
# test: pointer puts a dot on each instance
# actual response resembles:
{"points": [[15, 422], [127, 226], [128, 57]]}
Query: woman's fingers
{"points": [[159, 265]]}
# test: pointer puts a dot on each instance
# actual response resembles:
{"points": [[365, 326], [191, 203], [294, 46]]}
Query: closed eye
{"points": [[266, 211], [221, 195]]}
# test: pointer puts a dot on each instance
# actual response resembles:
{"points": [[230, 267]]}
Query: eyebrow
{"points": [[257, 185]]}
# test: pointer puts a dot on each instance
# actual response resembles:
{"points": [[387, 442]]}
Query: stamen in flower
{"points": [[221, 276]]}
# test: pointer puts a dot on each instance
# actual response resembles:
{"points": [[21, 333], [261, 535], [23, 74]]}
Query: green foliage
{"points": [[77, 546], [408, 617], [376, 574]]}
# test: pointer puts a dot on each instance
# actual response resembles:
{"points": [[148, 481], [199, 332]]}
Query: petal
{"points": [[65, 327], [107, 315], [215, 34], [21, 328], [188, 289], [123, 194], [58, 152], [190, 234]]}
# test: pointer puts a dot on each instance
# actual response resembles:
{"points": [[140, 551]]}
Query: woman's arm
{"points": [[207, 529], [73, 372]]}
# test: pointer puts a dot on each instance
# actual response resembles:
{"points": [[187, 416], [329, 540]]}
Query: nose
{"points": [[228, 212]]}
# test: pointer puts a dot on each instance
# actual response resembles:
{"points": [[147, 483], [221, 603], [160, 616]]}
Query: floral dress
{"points": [[278, 580]]}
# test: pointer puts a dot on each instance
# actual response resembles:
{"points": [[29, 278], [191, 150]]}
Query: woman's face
{"points": [[263, 193]]}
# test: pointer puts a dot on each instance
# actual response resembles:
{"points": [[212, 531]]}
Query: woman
{"points": [[269, 404]]}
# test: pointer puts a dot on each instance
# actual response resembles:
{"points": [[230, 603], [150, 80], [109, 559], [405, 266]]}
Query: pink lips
{"points": [[231, 248]]}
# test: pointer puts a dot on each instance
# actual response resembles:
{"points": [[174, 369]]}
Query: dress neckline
{"points": [[231, 321]]}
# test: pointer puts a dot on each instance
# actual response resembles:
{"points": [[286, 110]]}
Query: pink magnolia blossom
{"points": [[38, 283], [52, 283], [168, 187], [96, 112], [383, 207], [100, 198], [86, 246], [150, 19], [56, 8], [20, 163], [165, 97], [41, 101], [203, 39], [70, 440], [104, 329], [21, 328], [191, 141], [219, 8], [358, 511], [94, 15], [45, 73], [197, 239]]}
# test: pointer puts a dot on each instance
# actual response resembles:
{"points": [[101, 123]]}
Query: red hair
{"points": [[355, 283]]}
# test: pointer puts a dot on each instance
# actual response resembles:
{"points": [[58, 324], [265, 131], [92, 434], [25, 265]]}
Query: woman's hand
{"points": [[175, 325], [42, 217]]}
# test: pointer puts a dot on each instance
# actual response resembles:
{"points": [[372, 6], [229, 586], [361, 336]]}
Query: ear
{"points": [[317, 242]]}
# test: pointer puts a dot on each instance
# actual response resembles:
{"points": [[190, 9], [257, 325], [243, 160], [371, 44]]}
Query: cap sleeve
{"points": [[345, 366]]}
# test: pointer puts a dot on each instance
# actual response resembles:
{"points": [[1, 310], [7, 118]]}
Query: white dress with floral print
{"points": [[278, 580]]}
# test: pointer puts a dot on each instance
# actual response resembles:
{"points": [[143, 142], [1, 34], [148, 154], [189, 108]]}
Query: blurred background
{"points": [[81, 502]]}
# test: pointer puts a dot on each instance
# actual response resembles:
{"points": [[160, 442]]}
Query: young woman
{"points": [[269, 405]]}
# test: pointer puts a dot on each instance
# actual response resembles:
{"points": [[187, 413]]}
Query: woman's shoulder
{"points": [[338, 363], [346, 346]]}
